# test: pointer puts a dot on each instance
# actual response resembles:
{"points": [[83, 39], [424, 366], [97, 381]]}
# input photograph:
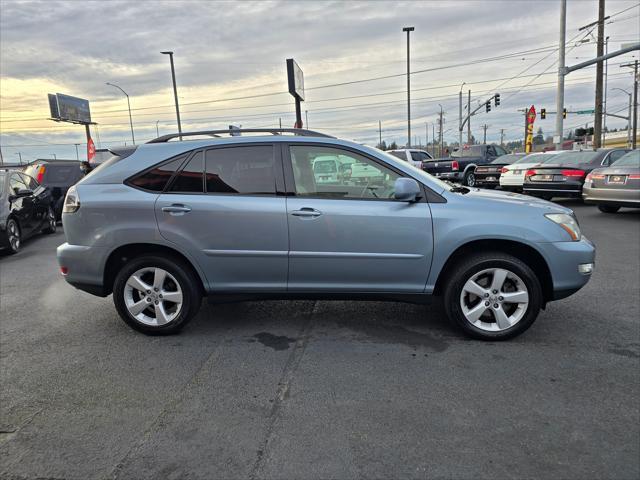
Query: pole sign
{"points": [[531, 117], [295, 79], [65, 108]]}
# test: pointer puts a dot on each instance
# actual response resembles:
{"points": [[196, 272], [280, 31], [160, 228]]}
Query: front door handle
{"points": [[306, 212], [177, 209]]}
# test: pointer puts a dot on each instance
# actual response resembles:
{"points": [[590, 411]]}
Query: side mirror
{"points": [[406, 190]]}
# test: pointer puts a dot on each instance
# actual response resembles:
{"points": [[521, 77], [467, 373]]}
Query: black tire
{"points": [[185, 278], [469, 178], [51, 222], [608, 209], [14, 236], [466, 268]]}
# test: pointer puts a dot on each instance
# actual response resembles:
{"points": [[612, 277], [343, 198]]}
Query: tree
{"points": [[382, 146], [539, 138], [393, 146]]}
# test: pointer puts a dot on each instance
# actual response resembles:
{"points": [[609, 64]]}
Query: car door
{"points": [[226, 208], [353, 236], [22, 207], [41, 199]]}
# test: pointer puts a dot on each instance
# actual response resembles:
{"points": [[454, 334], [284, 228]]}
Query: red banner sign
{"points": [[531, 117]]}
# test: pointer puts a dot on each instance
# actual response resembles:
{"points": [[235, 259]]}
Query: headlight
{"points": [[71, 201], [568, 223]]}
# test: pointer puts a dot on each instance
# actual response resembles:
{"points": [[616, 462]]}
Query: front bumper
{"points": [[84, 266], [564, 260]]}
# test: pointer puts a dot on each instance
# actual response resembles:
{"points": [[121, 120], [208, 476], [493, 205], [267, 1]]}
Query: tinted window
{"points": [[631, 159], [156, 179], [365, 179], [66, 174], [16, 184], [424, 156], [469, 151], [500, 150], [189, 179], [615, 155], [29, 182], [244, 170]]}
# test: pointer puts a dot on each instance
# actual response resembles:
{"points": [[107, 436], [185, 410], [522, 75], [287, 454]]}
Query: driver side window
{"points": [[328, 172], [16, 184]]}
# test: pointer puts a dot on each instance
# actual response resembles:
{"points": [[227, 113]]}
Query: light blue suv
{"points": [[246, 217]]}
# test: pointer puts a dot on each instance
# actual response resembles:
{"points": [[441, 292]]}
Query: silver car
{"points": [[615, 186], [243, 217]]}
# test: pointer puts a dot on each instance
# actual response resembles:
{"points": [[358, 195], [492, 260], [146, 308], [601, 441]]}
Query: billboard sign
{"points": [[66, 108], [296, 79]]}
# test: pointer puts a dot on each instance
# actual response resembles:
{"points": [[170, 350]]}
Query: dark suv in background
{"points": [[58, 176]]}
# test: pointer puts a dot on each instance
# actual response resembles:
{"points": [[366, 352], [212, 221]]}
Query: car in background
{"points": [[332, 170], [512, 176], [565, 174], [461, 165], [58, 176], [488, 176], [25, 209], [615, 186], [414, 156]]}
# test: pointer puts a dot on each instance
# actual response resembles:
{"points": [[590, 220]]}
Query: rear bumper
{"points": [[487, 183], [564, 259], [555, 189], [612, 196], [454, 176], [85, 267]]}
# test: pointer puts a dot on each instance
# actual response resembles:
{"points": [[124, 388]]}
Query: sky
{"points": [[230, 67]]}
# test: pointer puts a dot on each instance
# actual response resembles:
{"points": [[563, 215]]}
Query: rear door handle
{"points": [[306, 212], [177, 209]]}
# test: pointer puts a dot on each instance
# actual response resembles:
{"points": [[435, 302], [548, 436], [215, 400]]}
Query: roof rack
{"points": [[217, 133]]}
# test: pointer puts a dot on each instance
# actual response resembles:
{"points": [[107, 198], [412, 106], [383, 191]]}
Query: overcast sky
{"points": [[225, 51]]}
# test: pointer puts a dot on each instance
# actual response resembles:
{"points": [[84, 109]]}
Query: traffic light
{"points": [[497, 99], [543, 113], [488, 106], [564, 113]]}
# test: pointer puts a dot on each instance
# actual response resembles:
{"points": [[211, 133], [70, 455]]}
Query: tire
{"points": [[469, 178], [51, 222], [608, 209], [483, 267], [172, 316], [14, 236]]}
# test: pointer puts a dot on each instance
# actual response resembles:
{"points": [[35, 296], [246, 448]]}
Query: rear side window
{"points": [[242, 170], [156, 179], [189, 179]]}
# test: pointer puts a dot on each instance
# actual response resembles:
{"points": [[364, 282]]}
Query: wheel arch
{"points": [[118, 258], [528, 254]]}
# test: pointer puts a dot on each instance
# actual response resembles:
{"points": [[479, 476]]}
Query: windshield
{"points": [[575, 158], [472, 151], [508, 159], [631, 159], [324, 166]]}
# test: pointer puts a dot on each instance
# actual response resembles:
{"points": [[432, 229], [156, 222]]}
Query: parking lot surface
{"points": [[321, 389]]}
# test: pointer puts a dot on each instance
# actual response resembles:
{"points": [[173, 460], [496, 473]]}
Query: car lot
{"points": [[321, 389]]}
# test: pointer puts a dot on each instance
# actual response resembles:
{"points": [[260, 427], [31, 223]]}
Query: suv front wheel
{"points": [[493, 296], [155, 295]]}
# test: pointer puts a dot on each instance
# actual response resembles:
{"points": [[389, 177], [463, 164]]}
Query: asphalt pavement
{"points": [[303, 389]]}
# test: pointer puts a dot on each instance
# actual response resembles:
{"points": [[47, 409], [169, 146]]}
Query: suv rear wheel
{"points": [[155, 295], [493, 296]]}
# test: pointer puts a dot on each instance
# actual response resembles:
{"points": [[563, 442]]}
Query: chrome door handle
{"points": [[306, 212], [176, 209]]}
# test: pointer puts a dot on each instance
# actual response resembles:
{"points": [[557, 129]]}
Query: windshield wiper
{"points": [[461, 190]]}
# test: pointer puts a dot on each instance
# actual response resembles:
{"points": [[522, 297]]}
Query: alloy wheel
{"points": [[13, 232], [471, 179], [494, 299], [153, 296]]}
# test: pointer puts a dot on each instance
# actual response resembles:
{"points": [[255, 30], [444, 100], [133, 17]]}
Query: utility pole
{"points": [[597, 122], [426, 137], [280, 119], [469, 121], [306, 117], [380, 133], [460, 126], [604, 107], [157, 129], [175, 91], [557, 139], [440, 134], [77, 154], [433, 139], [501, 137], [20, 157], [484, 138], [408, 30]]}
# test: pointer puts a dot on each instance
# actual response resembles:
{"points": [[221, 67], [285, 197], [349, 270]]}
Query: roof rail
{"points": [[216, 133]]}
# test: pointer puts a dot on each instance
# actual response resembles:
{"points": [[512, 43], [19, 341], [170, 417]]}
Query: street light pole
{"points": [[133, 138], [77, 154], [157, 131], [19, 156], [561, 73], [629, 142], [408, 30], [460, 126], [175, 91], [54, 156]]}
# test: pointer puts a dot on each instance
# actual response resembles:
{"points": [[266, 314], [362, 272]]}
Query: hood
{"points": [[513, 199]]}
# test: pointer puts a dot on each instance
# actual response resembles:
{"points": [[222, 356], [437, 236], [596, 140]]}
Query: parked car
{"points": [[58, 176], [25, 209], [414, 156], [332, 170], [615, 186], [565, 174], [460, 167], [512, 176], [242, 217], [488, 176]]}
